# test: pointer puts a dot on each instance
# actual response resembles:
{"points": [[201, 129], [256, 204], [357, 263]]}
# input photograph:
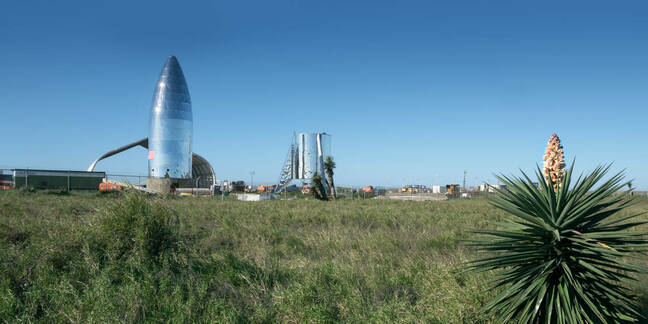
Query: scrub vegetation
{"points": [[563, 257], [86, 257]]}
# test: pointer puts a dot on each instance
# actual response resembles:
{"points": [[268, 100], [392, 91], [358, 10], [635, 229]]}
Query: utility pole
{"points": [[464, 181]]}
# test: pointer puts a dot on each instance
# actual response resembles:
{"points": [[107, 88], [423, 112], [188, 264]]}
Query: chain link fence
{"points": [[7, 181]]}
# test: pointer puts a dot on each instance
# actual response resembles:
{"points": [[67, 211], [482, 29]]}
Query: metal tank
{"points": [[312, 149], [325, 147], [171, 125]]}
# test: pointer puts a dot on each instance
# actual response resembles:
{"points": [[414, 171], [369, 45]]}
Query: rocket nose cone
{"points": [[172, 69], [172, 81], [171, 60]]}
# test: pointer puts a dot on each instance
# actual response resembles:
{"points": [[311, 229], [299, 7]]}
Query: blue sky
{"points": [[411, 91]]}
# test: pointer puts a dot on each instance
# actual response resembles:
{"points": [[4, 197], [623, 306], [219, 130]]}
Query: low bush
{"points": [[134, 226]]}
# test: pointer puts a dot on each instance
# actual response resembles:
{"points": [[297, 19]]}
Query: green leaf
{"points": [[560, 255]]}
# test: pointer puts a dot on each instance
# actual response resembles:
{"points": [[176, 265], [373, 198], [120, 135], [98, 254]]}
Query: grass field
{"points": [[85, 257]]}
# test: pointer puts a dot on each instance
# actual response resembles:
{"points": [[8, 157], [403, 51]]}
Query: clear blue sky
{"points": [[411, 91]]}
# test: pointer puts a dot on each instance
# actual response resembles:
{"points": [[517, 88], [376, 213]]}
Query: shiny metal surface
{"points": [[171, 125], [311, 152], [306, 157], [171, 132], [325, 150], [307, 154], [142, 142]]}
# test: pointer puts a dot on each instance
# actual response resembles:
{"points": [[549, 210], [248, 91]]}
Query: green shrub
{"points": [[27, 190], [57, 192], [135, 226], [109, 193], [561, 257]]}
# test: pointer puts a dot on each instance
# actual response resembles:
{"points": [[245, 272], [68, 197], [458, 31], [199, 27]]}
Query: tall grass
{"points": [[114, 258]]}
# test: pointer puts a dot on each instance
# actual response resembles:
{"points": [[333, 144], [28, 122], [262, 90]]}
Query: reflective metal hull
{"points": [[171, 125], [312, 149]]}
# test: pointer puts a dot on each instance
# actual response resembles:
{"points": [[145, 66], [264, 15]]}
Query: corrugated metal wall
{"points": [[57, 182]]}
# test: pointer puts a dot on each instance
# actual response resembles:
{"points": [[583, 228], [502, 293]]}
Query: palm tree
{"points": [[329, 165], [317, 187]]}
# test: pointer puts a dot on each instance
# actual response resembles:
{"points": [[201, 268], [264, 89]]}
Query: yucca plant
{"points": [[562, 257]]}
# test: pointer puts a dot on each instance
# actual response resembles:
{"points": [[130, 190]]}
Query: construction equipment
{"points": [[413, 188], [265, 188], [109, 187], [368, 189], [409, 188], [452, 190]]}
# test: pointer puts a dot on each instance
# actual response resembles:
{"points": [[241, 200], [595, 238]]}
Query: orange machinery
{"points": [[6, 184], [109, 187], [265, 188], [452, 190]]}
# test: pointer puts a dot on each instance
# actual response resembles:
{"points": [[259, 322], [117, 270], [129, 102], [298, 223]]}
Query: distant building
{"points": [[57, 179], [6, 181], [231, 186], [491, 188]]}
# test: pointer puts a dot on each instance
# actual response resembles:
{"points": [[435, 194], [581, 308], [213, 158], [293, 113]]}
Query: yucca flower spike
{"points": [[554, 161]]}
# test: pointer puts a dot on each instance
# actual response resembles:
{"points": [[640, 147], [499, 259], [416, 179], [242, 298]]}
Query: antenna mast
{"points": [[464, 181]]}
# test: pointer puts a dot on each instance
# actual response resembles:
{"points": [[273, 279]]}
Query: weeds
{"points": [[85, 257]]}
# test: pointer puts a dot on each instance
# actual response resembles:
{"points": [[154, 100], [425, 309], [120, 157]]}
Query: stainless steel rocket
{"points": [[170, 131], [171, 125]]}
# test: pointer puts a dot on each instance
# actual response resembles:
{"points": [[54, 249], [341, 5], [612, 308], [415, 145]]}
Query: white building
{"points": [[438, 189], [491, 188]]}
